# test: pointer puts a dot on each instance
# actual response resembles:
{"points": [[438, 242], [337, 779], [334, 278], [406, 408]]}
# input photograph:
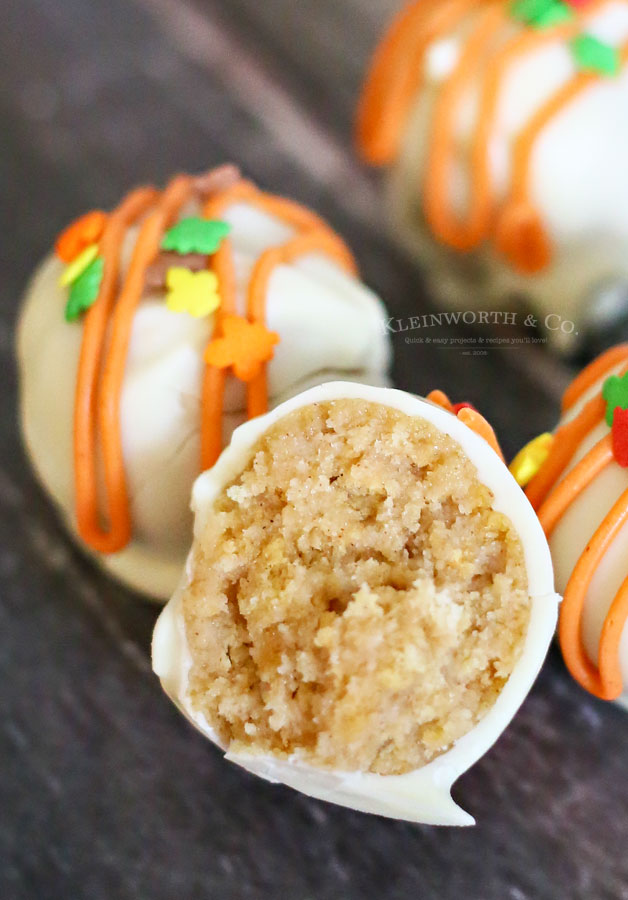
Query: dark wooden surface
{"points": [[105, 791]]}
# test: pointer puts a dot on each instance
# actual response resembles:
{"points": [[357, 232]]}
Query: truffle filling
{"points": [[354, 601]]}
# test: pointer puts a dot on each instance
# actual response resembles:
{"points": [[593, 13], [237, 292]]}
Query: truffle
{"points": [[367, 601], [496, 123], [581, 495], [154, 330]]}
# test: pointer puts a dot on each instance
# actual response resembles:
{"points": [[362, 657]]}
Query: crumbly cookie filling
{"points": [[355, 600]]}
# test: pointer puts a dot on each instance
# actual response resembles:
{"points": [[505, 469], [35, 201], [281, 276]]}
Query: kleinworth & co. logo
{"points": [[424, 329]]}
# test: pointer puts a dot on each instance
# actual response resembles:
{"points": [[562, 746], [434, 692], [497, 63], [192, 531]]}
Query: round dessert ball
{"points": [[153, 330], [581, 494], [496, 121], [368, 599]]}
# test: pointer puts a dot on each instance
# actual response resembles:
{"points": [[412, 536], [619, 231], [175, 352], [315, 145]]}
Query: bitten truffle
{"points": [[367, 600]]}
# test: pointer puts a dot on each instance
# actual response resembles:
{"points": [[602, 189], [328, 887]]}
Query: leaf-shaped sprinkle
{"points": [[244, 347], [195, 293], [76, 268], [615, 392], [529, 460], [84, 290], [620, 436], [195, 235], [80, 234], [540, 13], [593, 55]]}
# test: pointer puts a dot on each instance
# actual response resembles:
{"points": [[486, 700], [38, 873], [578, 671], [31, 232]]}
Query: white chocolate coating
{"points": [[422, 795], [578, 184], [330, 326], [575, 529]]}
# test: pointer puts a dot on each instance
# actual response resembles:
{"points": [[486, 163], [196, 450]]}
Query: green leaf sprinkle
{"points": [[84, 290], [555, 14], [541, 13], [615, 392], [592, 55], [195, 235]]}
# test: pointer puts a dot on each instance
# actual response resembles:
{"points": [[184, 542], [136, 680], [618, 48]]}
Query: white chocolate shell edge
{"points": [[422, 795]]}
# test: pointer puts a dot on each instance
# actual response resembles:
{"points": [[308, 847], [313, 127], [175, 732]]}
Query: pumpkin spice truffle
{"points": [[368, 599], [505, 127], [154, 330], [581, 493]]}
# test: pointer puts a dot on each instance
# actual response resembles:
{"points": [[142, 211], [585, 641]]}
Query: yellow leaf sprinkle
{"points": [[530, 458], [78, 265], [195, 293]]}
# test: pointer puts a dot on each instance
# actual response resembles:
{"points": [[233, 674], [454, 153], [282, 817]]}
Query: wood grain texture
{"points": [[105, 791]]}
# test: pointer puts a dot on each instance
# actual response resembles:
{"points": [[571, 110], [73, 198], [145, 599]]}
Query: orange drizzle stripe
{"points": [[568, 438], [302, 245], [476, 422], [302, 218], [592, 373], [382, 81], [90, 362], [580, 477], [213, 384], [392, 86], [318, 240], [214, 379], [395, 76], [520, 234], [440, 398], [551, 497], [608, 651], [279, 207], [481, 201], [525, 143], [102, 365], [146, 249], [212, 402], [570, 621], [555, 105], [471, 418], [316, 236], [445, 224]]}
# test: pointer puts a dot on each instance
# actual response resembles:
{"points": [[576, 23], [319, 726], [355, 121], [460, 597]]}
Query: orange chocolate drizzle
{"points": [[551, 495], [108, 324], [393, 85], [470, 417]]}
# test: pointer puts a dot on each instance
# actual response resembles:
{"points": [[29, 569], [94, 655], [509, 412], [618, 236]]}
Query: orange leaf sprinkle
{"points": [[244, 346], [80, 234]]}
